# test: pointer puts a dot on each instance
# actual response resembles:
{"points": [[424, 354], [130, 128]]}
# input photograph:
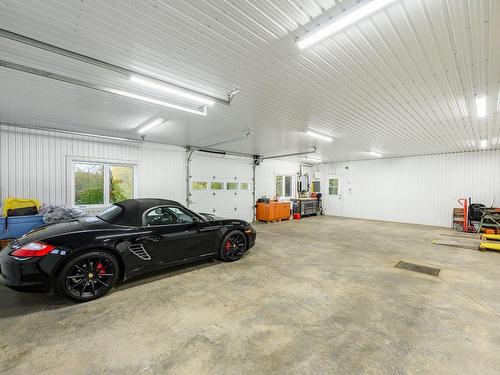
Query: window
{"points": [[121, 183], [97, 183], [288, 186], [182, 216], [199, 185], [333, 186], [244, 186], [279, 186], [284, 186], [217, 185], [89, 184], [168, 216], [110, 213], [231, 186]]}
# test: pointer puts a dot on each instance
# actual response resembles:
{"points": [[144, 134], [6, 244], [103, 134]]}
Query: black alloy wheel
{"points": [[233, 246], [88, 276]]}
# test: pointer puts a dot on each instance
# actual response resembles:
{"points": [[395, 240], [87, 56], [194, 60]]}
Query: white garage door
{"points": [[221, 185]]}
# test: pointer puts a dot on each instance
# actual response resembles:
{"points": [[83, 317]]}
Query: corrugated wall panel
{"points": [[33, 164], [421, 189], [265, 176]]}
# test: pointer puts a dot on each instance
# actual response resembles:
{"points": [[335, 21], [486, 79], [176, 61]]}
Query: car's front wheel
{"points": [[233, 246], [88, 276]]}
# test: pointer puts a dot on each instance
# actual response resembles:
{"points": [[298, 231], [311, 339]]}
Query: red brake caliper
{"points": [[100, 268], [228, 246]]}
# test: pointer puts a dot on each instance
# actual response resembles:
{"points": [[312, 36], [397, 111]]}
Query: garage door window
{"points": [[232, 186], [283, 186], [333, 186], [200, 185], [244, 186], [102, 183], [216, 185]]}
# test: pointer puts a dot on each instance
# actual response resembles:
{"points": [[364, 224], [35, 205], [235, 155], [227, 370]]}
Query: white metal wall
{"points": [[420, 189], [265, 176], [33, 164]]}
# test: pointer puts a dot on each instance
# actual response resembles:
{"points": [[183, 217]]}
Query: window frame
{"points": [[283, 188], [106, 163]]}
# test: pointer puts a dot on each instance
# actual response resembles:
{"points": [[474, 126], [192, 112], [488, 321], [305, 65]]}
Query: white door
{"points": [[332, 190], [221, 185]]}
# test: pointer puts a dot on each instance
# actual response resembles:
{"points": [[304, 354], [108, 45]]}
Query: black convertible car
{"points": [[84, 258]]}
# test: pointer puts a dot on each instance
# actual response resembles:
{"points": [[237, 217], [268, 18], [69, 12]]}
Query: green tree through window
{"points": [[89, 184]]}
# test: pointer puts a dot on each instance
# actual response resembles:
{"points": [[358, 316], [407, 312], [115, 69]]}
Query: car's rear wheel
{"points": [[88, 276], [233, 246]]}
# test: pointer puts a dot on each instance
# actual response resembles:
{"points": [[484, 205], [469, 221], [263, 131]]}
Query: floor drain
{"points": [[418, 268]]}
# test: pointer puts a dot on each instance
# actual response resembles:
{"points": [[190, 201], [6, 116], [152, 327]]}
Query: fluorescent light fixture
{"points": [[170, 90], [481, 103], [350, 17], [483, 143], [320, 136], [202, 112], [314, 158], [374, 153], [150, 125]]}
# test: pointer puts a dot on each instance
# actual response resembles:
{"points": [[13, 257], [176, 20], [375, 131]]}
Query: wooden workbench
{"points": [[273, 211]]}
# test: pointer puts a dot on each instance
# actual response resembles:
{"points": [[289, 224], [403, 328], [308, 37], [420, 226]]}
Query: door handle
{"points": [[209, 229], [151, 238]]}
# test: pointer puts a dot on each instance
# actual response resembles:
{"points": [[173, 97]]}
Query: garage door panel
{"points": [[222, 185]]}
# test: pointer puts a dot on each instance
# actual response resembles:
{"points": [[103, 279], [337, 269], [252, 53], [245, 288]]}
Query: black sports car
{"points": [[84, 258]]}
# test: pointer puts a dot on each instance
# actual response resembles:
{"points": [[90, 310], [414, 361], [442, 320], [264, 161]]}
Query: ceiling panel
{"points": [[401, 82]]}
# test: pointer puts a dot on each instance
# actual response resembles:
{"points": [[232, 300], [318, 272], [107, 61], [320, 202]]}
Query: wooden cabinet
{"points": [[273, 211]]}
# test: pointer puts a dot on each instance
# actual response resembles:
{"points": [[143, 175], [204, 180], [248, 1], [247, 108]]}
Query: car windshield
{"points": [[110, 213]]}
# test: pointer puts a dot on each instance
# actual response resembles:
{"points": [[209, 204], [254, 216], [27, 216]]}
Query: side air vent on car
{"points": [[140, 251]]}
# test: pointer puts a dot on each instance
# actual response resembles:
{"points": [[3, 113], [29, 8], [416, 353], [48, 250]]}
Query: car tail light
{"points": [[33, 249]]}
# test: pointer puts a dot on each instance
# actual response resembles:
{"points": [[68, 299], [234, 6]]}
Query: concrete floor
{"points": [[320, 295]]}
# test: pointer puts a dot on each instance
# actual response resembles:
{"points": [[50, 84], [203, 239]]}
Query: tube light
{"points": [[483, 143], [150, 125], [480, 105], [170, 90], [202, 112], [350, 17], [374, 153], [320, 136], [314, 158]]}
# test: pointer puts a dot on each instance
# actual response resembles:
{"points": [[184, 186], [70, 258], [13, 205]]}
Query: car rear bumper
{"points": [[22, 275]]}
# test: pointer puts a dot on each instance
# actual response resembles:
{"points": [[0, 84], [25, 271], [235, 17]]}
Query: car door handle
{"points": [[209, 229], [151, 238]]}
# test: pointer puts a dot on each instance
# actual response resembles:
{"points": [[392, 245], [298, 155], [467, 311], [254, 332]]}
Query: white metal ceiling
{"points": [[401, 82]]}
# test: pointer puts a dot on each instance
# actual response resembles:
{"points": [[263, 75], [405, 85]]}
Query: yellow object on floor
{"points": [[495, 237], [490, 246], [12, 203]]}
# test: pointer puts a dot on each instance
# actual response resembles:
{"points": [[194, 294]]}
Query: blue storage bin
{"points": [[18, 225]]}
